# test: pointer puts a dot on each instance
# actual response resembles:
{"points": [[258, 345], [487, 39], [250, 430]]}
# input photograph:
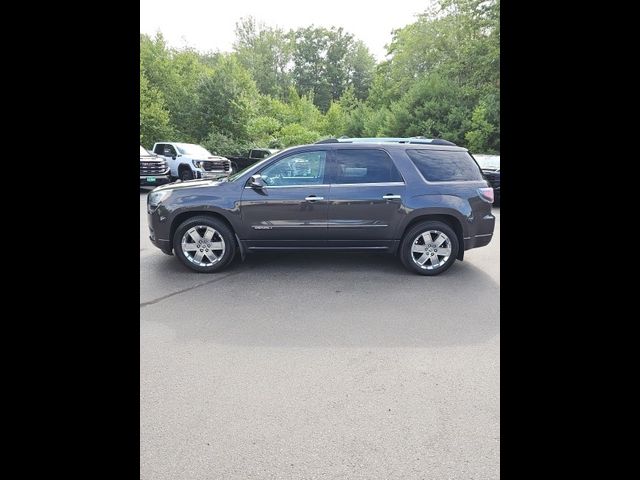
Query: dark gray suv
{"points": [[424, 200]]}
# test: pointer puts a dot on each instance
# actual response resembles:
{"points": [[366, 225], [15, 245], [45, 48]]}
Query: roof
{"points": [[410, 140]]}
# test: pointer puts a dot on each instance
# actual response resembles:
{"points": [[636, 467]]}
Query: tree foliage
{"points": [[277, 88]]}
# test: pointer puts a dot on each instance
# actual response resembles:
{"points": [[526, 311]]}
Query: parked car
{"points": [[153, 169], [254, 155], [490, 165], [423, 200], [188, 161]]}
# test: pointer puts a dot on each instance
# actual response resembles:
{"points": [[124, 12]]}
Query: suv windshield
{"points": [[189, 149], [143, 151], [488, 161]]}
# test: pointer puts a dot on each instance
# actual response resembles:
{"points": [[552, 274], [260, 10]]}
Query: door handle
{"points": [[312, 198], [391, 197]]}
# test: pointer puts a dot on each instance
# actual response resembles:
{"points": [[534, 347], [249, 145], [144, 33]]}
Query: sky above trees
{"points": [[208, 25]]}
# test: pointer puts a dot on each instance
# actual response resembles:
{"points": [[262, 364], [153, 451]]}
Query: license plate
{"points": [[151, 179]]}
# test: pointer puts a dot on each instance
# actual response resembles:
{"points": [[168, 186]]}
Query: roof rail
{"points": [[413, 140]]}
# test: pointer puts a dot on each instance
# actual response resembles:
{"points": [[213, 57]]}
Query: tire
{"points": [[434, 262], [186, 174], [215, 254]]}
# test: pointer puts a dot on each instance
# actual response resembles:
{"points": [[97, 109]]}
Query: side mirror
{"points": [[256, 181], [173, 157]]}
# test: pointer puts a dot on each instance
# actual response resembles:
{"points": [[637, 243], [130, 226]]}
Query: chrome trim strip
{"points": [[484, 235], [341, 225], [272, 227], [294, 186], [381, 184]]}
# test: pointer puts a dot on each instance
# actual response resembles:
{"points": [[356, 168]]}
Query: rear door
{"points": [[365, 200]]}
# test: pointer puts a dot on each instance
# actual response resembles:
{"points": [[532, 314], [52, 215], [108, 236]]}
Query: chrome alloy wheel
{"points": [[431, 249], [203, 245]]}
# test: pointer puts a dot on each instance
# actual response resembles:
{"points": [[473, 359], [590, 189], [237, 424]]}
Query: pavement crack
{"points": [[197, 285]]}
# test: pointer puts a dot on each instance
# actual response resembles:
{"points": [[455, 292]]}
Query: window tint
{"points": [[445, 166], [365, 166], [298, 169], [159, 149]]}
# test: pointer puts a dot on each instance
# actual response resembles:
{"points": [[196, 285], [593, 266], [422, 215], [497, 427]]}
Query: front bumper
{"points": [[213, 175], [154, 180], [159, 231]]}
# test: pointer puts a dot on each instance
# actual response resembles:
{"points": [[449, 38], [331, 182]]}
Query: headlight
{"points": [[154, 198], [197, 164]]}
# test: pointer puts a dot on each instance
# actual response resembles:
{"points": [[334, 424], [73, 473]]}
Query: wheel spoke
{"points": [[426, 236], [189, 247], [198, 256], [216, 246], [445, 252], [211, 256], [435, 261], [440, 240], [417, 248], [422, 259], [195, 236], [208, 235]]}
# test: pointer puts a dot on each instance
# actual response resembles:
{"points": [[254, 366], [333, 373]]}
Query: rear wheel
{"points": [[429, 248], [204, 244]]}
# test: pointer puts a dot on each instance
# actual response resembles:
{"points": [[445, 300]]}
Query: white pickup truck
{"points": [[188, 161]]}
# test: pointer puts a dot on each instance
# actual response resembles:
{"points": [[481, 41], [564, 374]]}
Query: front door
{"points": [[168, 152], [365, 202], [291, 210]]}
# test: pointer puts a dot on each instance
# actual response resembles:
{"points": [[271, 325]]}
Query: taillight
{"points": [[486, 194]]}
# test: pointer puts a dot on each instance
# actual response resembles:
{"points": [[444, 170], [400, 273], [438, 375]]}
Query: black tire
{"points": [[407, 255], [221, 229], [186, 174]]}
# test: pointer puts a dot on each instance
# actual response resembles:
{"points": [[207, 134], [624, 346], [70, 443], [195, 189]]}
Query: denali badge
{"points": [[261, 227]]}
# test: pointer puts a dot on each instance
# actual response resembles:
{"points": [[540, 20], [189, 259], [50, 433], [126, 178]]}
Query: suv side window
{"points": [[365, 166], [299, 169], [445, 165]]}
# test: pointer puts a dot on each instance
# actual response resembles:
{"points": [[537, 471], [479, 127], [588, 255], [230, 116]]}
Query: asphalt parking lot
{"points": [[329, 365]]}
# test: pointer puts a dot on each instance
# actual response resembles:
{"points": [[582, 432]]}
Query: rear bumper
{"points": [[477, 241], [480, 232], [159, 180]]}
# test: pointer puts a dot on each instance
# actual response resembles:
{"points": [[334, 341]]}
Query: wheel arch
{"points": [[183, 216], [448, 219]]}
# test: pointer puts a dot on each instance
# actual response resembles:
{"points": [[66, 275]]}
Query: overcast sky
{"points": [[208, 25]]}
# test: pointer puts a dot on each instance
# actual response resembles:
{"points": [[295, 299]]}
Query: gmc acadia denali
{"points": [[423, 200]]}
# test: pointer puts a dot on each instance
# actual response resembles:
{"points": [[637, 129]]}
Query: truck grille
{"points": [[153, 167], [216, 165]]}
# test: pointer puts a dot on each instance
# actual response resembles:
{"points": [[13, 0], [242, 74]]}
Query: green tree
{"points": [[154, 117], [226, 99], [265, 52]]}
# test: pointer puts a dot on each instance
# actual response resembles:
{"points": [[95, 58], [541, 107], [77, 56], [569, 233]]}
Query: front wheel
{"points": [[204, 244], [186, 174], [429, 248]]}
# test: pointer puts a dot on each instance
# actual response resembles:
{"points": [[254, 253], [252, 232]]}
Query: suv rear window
{"points": [[445, 165], [365, 166]]}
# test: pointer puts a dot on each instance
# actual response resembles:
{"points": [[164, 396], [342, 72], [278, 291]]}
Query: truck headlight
{"points": [[197, 164], [155, 198]]}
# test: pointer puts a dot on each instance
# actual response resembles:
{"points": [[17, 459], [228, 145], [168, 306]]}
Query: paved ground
{"points": [[300, 366]]}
